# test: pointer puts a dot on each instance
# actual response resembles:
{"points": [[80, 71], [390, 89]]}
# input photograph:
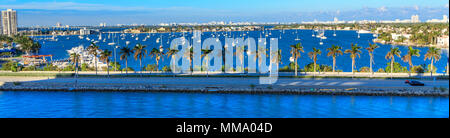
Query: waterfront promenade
{"points": [[322, 86]]}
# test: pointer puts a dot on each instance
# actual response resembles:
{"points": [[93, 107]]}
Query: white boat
{"points": [[363, 32]]}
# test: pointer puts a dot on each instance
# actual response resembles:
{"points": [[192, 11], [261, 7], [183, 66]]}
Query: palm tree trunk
{"points": [[431, 70], [207, 67], [371, 69], [173, 62], [140, 66], [410, 70], [295, 67], [353, 65], [334, 63], [126, 66], [76, 68], [392, 67], [107, 68], [314, 74], [157, 65], [95, 59]]}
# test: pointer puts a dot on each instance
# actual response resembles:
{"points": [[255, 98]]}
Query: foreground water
{"points": [[197, 105]]}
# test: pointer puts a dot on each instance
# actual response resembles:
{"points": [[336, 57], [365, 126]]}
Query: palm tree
{"points": [[125, 52], [391, 55], [261, 50], [94, 50], [171, 53], [74, 57], [354, 52], [371, 49], [433, 54], [157, 54], [104, 57], [240, 56], [408, 57], [295, 52], [279, 56], [205, 53], [139, 53], [334, 51], [313, 55]]}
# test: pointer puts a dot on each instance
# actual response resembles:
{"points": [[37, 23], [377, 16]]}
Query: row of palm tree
{"points": [[432, 54], [139, 52]]}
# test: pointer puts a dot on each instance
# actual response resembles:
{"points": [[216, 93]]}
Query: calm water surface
{"points": [[197, 105]]}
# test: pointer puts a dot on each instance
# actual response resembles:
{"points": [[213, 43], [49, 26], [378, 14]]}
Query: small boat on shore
{"points": [[363, 32]]}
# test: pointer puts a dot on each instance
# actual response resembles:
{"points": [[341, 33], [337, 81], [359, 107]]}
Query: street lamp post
{"points": [[115, 57]]}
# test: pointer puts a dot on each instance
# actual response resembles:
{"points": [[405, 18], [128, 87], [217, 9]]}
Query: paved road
{"points": [[227, 82]]}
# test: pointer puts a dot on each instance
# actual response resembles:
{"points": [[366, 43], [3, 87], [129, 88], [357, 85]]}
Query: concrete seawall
{"points": [[228, 85]]}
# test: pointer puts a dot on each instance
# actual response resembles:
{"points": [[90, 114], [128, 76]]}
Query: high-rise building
{"points": [[415, 19], [58, 24], [9, 22], [444, 18]]}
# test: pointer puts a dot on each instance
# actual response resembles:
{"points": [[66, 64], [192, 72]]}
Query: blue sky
{"points": [[92, 12]]}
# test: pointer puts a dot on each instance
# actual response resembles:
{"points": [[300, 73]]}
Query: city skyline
{"points": [[81, 12]]}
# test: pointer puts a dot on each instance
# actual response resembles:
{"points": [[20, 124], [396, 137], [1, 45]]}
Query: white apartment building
{"points": [[442, 41], [85, 31], [9, 22], [397, 36]]}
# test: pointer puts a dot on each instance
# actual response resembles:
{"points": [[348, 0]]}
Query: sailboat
{"points": [[297, 39], [334, 34]]}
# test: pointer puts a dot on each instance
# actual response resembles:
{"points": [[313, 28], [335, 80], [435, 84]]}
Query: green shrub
{"points": [[116, 65], [50, 67], [31, 68], [417, 69], [150, 67], [381, 70], [166, 69], [319, 68], [434, 68], [85, 67], [16, 83], [69, 68], [443, 89], [8, 65], [364, 69], [252, 86], [129, 69], [285, 69], [397, 68]]}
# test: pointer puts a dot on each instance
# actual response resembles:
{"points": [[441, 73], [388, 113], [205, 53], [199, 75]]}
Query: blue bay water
{"points": [[198, 105], [343, 38]]}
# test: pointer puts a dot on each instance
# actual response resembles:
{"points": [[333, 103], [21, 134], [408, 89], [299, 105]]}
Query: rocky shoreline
{"points": [[258, 89]]}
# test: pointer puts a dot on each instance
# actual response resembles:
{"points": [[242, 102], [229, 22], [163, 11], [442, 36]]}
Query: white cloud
{"points": [[382, 9]]}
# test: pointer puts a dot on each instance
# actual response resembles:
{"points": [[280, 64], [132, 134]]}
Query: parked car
{"points": [[415, 83]]}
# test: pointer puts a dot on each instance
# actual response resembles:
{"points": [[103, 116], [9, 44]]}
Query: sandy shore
{"points": [[227, 85]]}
